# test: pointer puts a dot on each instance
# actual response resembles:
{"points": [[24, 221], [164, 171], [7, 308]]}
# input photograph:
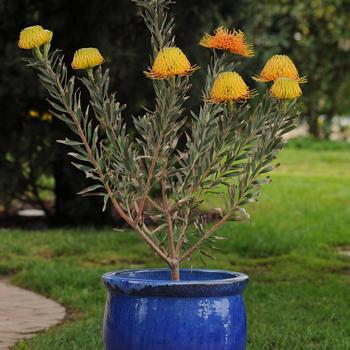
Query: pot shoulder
{"points": [[193, 283]]}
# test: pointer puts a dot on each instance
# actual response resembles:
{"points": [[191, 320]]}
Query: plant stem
{"points": [[170, 231], [175, 265], [90, 74], [38, 54], [182, 233], [175, 271], [149, 179]]}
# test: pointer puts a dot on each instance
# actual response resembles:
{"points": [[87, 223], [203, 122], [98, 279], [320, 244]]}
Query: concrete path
{"points": [[24, 313]]}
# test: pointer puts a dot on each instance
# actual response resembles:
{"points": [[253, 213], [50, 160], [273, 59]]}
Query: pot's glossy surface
{"points": [[145, 310]]}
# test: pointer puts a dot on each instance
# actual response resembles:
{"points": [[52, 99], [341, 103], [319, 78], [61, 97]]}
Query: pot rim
{"points": [[196, 283]]}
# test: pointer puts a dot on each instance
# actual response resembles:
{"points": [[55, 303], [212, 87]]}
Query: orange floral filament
{"points": [[232, 41]]}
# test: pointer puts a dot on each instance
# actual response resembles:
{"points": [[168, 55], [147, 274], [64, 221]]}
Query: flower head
{"points": [[279, 66], [285, 89], [47, 117], [229, 86], [33, 113], [170, 62], [34, 37], [86, 58], [232, 41]]}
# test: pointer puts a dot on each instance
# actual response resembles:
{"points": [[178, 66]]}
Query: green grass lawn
{"points": [[299, 292]]}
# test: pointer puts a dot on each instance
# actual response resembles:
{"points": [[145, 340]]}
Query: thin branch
{"points": [[190, 251], [155, 205], [149, 180], [170, 232], [182, 233]]}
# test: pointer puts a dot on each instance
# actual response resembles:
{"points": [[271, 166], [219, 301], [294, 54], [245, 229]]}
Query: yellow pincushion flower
{"points": [[87, 58], [232, 41], [279, 66], [170, 62], [47, 117], [228, 87], [34, 37], [33, 113], [285, 89]]}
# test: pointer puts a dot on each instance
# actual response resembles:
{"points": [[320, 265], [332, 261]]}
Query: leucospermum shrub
{"points": [[230, 146]]}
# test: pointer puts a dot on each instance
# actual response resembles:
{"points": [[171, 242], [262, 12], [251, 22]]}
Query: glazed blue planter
{"points": [[145, 310]]}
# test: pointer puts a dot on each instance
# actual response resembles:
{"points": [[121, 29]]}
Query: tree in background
{"points": [[316, 33], [27, 166]]}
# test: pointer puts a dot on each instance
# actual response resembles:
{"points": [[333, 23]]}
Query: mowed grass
{"points": [[299, 292]]}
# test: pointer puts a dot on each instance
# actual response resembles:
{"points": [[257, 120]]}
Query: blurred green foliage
{"points": [[25, 164], [315, 33], [310, 143]]}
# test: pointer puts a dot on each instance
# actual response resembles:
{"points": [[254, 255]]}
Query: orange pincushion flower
{"points": [[229, 87], [279, 66], [232, 41], [170, 62]]}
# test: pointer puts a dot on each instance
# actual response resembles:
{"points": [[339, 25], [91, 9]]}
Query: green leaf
{"points": [[90, 189], [78, 156], [68, 142]]}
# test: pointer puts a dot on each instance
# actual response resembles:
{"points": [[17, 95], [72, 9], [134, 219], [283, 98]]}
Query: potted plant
{"points": [[229, 148]]}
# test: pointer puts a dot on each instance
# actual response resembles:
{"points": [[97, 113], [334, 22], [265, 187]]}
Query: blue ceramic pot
{"points": [[145, 310]]}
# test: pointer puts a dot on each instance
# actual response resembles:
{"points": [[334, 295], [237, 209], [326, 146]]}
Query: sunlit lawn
{"points": [[299, 292]]}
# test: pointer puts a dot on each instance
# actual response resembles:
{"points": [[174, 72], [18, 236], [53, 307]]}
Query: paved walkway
{"points": [[24, 313]]}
